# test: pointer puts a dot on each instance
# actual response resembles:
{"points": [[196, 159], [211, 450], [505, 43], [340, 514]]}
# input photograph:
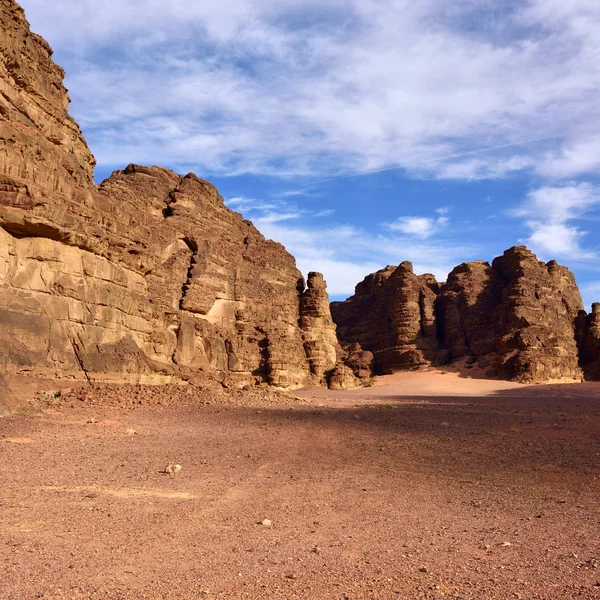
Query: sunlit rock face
{"points": [[146, 278], [392, 315], [516, 318]]}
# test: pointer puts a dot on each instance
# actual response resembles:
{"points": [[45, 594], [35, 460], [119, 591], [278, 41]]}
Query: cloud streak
{"points": [[326, 90]]}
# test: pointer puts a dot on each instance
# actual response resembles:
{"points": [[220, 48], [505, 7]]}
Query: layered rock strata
{"points": [[518, 311], [391, 315], [147, 278], [517, 316], [320, 340]]}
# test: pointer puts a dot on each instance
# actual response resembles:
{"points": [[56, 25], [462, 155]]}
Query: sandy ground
{"points": [[428, 485]]}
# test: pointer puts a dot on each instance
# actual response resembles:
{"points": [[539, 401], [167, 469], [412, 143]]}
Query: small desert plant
{"points": [[388, 406], [444, 372], [370, 382]]}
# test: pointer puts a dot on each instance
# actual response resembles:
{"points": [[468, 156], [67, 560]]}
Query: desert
{"points": [[186, 413]]}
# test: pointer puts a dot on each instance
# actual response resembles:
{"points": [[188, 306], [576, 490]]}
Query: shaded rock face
{"points": [[391, 315], [361, 362], [148, 277], [588, 341], [517, 316]]}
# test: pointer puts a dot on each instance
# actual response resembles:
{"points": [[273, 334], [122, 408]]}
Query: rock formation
{"points": [[517, 316], [391, 315], [320, 340], [360, 361], [145, 278], [519, 311], [588, 341], [150, 278]]}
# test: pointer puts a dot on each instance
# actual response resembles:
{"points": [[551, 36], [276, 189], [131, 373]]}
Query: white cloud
{"points": [[550, 213], [422, 227], [579, 157], [590, 293], [317, 89], [264, 212], [345, 254]]}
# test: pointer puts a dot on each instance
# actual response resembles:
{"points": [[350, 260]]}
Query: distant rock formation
{"points": [[588, 341], [392, 315], [517, 317], [147, 278], [520, 310], [320, 340]]}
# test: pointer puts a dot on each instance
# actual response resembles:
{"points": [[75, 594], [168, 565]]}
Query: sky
{"points": [[359, 133]]}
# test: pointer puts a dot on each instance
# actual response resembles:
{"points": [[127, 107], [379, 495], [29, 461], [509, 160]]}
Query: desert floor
{"points": [[429, 485]]}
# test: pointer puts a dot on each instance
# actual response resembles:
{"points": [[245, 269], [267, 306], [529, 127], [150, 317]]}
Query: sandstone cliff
{"points": [[146, 278], [392, 315], [519, 311], [518, 317], [150, 278], [588, 341]]}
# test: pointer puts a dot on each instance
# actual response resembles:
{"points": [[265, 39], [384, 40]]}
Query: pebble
{"points": [[173, 468]]}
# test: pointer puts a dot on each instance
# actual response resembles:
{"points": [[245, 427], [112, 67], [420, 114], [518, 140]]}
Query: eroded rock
{"points": [[147, 278], [391, 315]]}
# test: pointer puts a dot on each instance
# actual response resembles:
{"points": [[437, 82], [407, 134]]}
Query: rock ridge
{"points": [[146, 278], [518, 318]]}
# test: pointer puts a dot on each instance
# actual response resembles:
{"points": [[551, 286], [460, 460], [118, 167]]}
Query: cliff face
{"points": [[588, 341], [392, 315], [146, 278], [517, 316]]}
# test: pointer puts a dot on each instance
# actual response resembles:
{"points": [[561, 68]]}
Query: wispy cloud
{"points": [[422, 227], [345, 254], [551, 213], [314, 89]]}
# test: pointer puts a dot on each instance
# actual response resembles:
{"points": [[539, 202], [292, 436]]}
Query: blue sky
{"points": [[359, 133]]}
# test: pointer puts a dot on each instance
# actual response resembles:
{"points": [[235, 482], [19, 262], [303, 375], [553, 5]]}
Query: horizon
{"points": [[358, 135]]}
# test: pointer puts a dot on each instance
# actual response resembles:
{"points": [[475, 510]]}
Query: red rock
{"points": [[516, 316], [146, 278], [391, 315]]}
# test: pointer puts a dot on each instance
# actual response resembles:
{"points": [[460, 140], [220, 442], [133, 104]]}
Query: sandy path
{"points": [[386, 492]]}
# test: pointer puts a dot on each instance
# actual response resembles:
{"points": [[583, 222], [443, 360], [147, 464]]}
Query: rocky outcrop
{"points": [[147, 278], [361, 362], [536, 317], [519, 313], [391, 315], [588, 341], [320, 340], [516, 316], [342, 378]]}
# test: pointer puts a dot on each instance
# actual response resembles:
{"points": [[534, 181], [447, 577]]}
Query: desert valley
{"points": [[184, 415]]}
